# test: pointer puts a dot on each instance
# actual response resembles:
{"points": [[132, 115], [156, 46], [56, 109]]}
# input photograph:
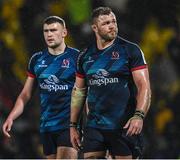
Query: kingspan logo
{"points": [[101, 78], [51, 84]]}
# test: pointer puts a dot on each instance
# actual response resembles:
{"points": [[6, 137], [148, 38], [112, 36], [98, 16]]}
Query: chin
{"points": [[52, 46], [111, 38]]}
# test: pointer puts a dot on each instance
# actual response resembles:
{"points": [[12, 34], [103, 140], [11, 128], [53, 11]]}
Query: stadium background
{"points": [[153, 24]]}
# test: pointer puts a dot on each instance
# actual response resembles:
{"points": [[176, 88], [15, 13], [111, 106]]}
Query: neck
{"points": [[102, 44], [58, 50]]}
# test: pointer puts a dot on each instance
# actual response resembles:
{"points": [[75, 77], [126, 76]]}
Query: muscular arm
{"points": [[141, 79], [18, 108]]}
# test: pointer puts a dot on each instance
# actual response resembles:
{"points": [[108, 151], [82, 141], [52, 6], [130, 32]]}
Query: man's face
{"points": [[106, 27], [54, 34]]}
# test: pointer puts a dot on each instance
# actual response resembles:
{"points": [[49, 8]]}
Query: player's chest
{"points": [[54, 65], [112, 61]]}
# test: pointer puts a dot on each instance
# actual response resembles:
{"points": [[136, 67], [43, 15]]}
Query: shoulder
{"points": [[128, 44], [87, 51], [34, 58], [83, 53], [36, 55], [73, 50], [130, 47]]}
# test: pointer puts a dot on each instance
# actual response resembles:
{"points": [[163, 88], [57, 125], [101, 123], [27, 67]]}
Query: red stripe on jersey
{"points": [[31, 75], [80, 75], [139, 67]]}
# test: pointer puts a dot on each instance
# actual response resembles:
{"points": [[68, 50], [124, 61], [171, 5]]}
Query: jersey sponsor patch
{"points": [[52, 84], [101, 78]]}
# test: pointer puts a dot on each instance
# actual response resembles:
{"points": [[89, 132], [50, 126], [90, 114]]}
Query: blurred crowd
{"points": [[154, 25]]}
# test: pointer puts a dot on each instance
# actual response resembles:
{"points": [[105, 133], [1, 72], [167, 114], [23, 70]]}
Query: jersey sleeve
{"points": [[137, 60], [30, 68], [79, 71]]}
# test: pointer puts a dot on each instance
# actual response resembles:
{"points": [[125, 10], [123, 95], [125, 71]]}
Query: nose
{"points": [[49, 33], [112, 25]]}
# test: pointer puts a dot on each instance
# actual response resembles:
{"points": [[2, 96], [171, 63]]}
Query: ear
{"points": [[64, 33], [94, 27]]}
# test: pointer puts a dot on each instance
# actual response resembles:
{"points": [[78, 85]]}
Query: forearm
{"points": [[77, 103], [75, 114], [143, 99], [18, 107]]}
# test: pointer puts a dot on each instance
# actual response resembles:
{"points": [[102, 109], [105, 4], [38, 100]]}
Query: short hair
{"points": [[54, 19], [100, 11]]}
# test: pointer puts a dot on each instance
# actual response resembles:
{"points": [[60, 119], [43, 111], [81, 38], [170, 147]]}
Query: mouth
{"points": [[113, 31], [50, 40]]}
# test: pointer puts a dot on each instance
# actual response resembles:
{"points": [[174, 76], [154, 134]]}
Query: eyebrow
{"points": [[53, 29]]}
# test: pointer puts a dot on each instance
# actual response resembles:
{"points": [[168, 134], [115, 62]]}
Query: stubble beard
{"points": [[109, 36]]}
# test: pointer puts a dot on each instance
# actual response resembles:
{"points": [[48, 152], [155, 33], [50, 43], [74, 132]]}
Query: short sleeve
{"points": [[137, 59], [79, 71], [30, 68]]}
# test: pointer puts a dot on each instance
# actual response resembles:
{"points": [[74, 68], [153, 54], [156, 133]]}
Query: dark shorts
{"points": [[51, 140], [115, 141]]}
